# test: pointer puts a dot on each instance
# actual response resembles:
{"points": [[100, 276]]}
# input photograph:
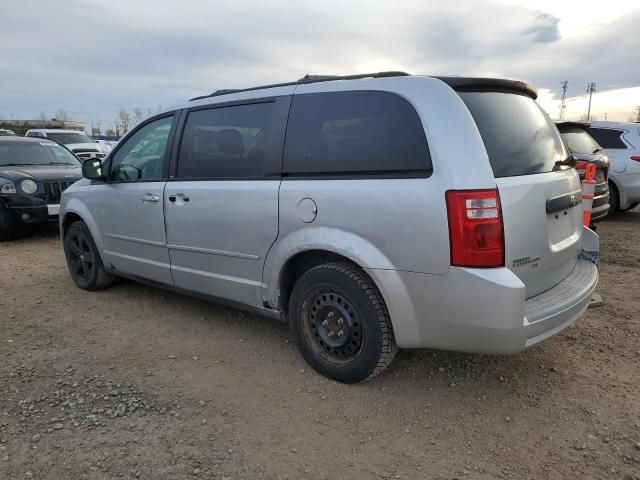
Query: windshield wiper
{"points": [[60, 163], [16, 164]]}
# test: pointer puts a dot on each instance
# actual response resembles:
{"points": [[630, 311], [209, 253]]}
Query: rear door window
{"points": [[354, 132], [519, 137], [228, 142], [608, 137]]}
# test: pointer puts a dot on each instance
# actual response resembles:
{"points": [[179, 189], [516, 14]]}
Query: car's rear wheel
{"points": [[83, 259], [340, 323], [631, 206], [7, 224]]}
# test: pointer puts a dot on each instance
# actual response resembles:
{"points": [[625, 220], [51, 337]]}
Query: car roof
{"points": [[455, 82], [55, 130], [26, 140]]}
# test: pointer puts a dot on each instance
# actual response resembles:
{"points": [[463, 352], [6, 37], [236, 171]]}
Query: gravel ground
{"points": [[135, 382]]}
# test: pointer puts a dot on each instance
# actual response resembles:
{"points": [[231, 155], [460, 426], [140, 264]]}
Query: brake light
{"points": [[637, 159], [476, 233], [581, 166]]}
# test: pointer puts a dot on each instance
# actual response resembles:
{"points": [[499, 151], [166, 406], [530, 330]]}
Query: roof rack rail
{"points": [[304, 80]]}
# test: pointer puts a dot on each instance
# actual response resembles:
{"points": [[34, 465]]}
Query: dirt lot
{"points": [[135, 382]]}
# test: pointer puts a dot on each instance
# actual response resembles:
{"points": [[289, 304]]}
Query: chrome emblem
{"points": [[68, 176], [573, 200]]}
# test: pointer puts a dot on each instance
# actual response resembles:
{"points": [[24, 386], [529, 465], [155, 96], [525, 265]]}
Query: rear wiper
{"points": [[598, 150], [570, 161]]}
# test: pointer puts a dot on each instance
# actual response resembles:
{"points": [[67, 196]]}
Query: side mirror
{"points": [[92, 169]]}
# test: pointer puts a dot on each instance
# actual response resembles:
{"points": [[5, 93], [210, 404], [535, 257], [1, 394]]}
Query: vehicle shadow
{"points": [[35, 233]]}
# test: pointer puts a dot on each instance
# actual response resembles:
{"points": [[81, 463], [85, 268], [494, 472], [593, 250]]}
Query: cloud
{"points": [[93, 57], [546, 29]]}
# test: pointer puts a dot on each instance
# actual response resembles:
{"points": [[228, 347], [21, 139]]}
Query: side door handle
{"points": [[148, 198]]}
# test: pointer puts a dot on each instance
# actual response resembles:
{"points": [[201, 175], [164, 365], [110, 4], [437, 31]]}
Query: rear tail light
{"points": [[637, 159], [581, 166], [476, 233]]}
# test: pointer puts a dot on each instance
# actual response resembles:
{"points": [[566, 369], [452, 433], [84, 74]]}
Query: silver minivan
{"points": [[370, 212]]}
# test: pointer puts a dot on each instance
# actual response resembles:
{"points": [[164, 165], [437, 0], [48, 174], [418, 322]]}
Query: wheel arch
{"points": [[74, 211], [305, 249]]}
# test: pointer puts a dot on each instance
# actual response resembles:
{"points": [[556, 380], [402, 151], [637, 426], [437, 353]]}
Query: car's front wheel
{"points": [[83, 259], [7, 225], [340, 323]]}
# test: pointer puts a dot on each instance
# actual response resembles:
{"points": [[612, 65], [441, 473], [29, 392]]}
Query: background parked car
{"points": [[78, 142], [33, 174], [6, 133], [621, 141], [586, 150]]}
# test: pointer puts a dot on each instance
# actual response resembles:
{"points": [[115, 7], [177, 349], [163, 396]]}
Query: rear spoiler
{"points": [[489, 84]]}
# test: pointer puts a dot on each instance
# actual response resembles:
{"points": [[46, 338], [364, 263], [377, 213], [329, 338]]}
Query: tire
{"points": [[83, 260], [631, 207], [340, 323], [8, 225]]}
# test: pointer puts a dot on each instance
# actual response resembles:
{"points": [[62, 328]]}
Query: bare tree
{"points": [[138, 115], [124, 119], [42, 118], [62, 115]]}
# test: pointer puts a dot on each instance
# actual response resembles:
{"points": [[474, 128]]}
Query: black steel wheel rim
{"points": [[81, 256], [332, 327]]}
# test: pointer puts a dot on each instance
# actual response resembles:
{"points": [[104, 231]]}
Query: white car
{"points": [[81, 144], [622, 144], [7, 133]]}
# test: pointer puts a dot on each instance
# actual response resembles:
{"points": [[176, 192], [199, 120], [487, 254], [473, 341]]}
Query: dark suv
{"points": [[586, 150], [33, 174]]}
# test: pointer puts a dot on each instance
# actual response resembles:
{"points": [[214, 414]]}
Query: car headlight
{"points": [[28, 186], [8, 188]]}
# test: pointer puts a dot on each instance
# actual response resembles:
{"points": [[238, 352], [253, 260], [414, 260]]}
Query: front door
{"points": [[131, 211], [221, 208]]}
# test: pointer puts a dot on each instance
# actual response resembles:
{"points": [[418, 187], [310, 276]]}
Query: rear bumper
{"points": [[482, 310], [600, 207]]}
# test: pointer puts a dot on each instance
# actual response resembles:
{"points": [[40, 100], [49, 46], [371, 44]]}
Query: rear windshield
{"points": [[579, 141], [519, 137]]}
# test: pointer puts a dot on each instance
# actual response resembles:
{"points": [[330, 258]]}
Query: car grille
{"points": [[53, 190]]}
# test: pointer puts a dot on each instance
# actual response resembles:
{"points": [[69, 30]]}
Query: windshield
{"points": [[35, 153], [579, 141], [519, 137], [67, 138]]}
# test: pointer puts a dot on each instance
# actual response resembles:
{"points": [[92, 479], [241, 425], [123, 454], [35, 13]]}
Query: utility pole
{"points": [[591, 88], [638, 114], [563, 104]]}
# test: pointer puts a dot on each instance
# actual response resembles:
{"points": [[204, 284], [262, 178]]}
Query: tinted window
{"points": [[351, 132], [519, 137], [607, 138], [578, 140], [142, 156], [226, 142], [35, 153]]}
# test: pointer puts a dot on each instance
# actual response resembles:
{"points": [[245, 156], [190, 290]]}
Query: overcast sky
{"points": [[92, 58]]}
